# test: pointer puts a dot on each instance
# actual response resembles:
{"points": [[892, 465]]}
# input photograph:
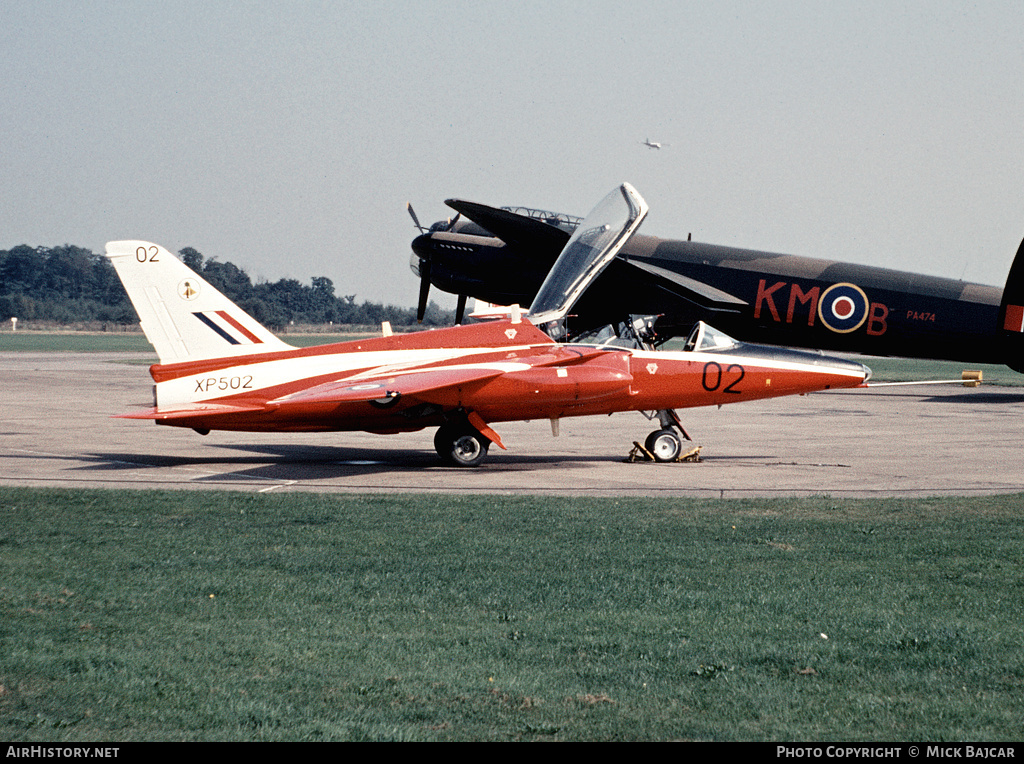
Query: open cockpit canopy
{"points": [[593, 245]]}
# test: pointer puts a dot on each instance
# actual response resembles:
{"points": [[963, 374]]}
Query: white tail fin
{"points": [[183, 316]]}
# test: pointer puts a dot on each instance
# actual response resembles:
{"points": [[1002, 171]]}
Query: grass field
{"points": [[116, 342], [184, 616]]}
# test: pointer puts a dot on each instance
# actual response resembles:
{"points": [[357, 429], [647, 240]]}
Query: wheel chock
{"points": [[693, 455], [641, 454]]}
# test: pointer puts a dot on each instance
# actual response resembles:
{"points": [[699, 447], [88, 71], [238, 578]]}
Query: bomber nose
{"points": [[422, 251], [422, 245]]}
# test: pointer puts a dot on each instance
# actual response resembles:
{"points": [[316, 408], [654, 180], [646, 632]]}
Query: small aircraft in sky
{"points": [[219, 369], [651, 144], [501, 256]]}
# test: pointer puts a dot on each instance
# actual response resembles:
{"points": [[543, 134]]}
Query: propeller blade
{"points": [[453, 221], [416, 220], [421, 307], [460, 309]]}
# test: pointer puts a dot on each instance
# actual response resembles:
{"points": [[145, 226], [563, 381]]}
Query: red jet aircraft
{"points": [[220, 369]]}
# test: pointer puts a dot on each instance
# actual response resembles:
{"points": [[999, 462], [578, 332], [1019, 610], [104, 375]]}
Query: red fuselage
{"points": [[499, 371]]}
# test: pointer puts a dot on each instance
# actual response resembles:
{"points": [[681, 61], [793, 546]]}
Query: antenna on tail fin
{"points": [[184, 317]]}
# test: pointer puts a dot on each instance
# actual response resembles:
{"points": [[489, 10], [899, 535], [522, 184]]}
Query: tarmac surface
{"points": [[56, 430]]}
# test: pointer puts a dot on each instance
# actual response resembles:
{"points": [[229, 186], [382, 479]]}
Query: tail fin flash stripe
{"points": [[245, 332], [210, 318], [1014, 321], [210, 323]]}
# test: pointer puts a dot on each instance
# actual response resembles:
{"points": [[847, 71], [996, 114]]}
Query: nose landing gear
{"points": [[666, 444]]}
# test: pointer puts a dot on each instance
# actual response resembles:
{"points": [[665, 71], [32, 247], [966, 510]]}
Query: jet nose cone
{"points": [[855, 367]]}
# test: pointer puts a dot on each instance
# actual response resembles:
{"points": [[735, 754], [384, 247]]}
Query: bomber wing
{"points": [[696, 291], [677, 300], [529, 234]]}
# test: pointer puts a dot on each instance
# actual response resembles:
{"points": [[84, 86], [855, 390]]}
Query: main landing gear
{"points": [[459, 444]]}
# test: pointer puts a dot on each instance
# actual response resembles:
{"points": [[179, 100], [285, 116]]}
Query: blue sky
{"points": [[288, 137]]}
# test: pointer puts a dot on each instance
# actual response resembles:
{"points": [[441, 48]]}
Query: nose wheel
{"points": [[665, 445]]}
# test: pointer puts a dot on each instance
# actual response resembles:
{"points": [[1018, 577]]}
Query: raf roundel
{"points": [[843, 308]]}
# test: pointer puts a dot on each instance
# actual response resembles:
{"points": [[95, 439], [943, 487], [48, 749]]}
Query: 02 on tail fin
{"points": [[184, 317]]}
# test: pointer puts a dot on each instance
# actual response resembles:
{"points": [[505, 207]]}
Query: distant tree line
{"points": [[70, 284]]}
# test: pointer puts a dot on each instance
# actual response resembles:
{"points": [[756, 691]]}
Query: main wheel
{"points": [[460, 445], [664, 444]]}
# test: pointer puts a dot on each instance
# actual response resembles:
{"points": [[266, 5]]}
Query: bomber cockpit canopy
{"points": [[596, 241], [567, 223]]}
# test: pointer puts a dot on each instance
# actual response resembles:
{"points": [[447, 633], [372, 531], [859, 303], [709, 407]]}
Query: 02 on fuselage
{"points": [[221, 370]]}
